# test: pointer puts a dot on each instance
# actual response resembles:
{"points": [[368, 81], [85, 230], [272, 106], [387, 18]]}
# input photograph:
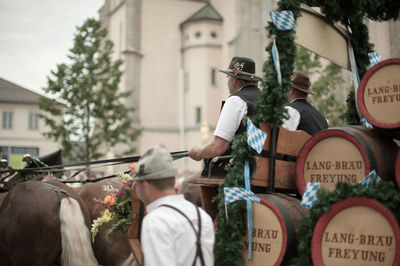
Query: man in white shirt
{"points": [[242, 85], [174, 231]]}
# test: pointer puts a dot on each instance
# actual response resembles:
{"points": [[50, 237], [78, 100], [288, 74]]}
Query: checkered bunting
{"points": [[233, 194], [310, 195], [367, 181], [366, 124], [255, 136], [283, 20], [374, 58]]}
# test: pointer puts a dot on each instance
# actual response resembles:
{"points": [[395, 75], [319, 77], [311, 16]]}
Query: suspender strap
{"points": [[199, 252]]}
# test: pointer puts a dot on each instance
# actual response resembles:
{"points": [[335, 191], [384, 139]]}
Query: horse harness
{"points": [[199, 252], [61, 193]]}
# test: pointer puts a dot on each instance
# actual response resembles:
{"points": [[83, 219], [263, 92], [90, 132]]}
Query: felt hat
{"points": [[301, 81], [155, 163], [242, 68]]}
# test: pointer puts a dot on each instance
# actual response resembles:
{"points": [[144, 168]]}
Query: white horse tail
{"points": [[75, 236]]}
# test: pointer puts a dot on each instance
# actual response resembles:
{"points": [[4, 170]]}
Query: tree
{"points": [[329, 81], [93, 117]]}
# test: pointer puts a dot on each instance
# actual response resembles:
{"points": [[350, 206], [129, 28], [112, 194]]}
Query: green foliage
{"points": [[384, 192], [330, 80], [269, 109], [92, 110], [352, 14], [122, 211], [228, 233]]}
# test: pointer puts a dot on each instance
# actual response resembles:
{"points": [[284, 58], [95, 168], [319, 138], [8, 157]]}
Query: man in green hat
{"points": [[174, 231]]}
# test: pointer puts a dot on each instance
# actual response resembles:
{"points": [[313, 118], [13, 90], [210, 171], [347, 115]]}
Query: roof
{"points": [[13, 93], [207, 12]]}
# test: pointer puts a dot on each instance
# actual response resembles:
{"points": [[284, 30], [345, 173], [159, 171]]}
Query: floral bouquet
{"points": [[116, 206]]}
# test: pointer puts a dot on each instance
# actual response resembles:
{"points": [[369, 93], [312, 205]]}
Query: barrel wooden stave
{"points": [[358, 151], [275, 229]]}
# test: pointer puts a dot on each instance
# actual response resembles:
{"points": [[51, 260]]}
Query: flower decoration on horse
{"points": [[116, 206]]}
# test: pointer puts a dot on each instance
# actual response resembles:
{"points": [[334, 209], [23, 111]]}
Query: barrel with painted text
{"points": [[378, 96], [275, 230], [356, 231], [345, 154]]}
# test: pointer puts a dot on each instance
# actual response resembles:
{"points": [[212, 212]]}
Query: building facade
{"points": [[21, 129], [172, 51]]}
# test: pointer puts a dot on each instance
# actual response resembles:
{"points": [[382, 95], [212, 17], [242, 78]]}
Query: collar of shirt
{"points": [[164, 200], [299, 99]]}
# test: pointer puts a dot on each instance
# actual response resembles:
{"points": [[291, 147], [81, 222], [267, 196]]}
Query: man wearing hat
{"points": [[311, 120], [4, 166], [242, 84], [174, 231], [32, 162]]}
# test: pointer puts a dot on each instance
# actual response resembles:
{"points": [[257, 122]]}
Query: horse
{"points": [[44, 224], [114, 251]]}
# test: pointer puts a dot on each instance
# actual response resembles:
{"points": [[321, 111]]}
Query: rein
{"points": [[100, 163]]}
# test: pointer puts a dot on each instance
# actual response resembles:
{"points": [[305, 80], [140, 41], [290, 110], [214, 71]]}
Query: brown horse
{"points": [[115, 250], [44, 224]]}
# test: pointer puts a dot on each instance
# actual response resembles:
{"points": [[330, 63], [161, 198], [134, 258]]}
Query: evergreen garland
{"points": [[270, 109], [385, 192], [353, 14]]}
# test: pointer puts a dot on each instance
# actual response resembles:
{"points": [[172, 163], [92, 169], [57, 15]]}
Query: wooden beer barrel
{"points": [[378, 96], [344, 154], [356, 231], [275, 225]]}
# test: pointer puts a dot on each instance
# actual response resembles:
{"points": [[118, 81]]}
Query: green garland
{"points": [[353, 14], [385, 192], [270, 109]]}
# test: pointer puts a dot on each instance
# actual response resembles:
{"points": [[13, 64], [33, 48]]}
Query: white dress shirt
{"points": [[167, 237], [235, 109]]}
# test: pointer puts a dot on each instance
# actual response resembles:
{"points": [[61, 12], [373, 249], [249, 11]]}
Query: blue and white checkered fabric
{"points": [[237, 193], [310, 195], [367, 181], [374, 58], [255, 136], [283, 20], [366, 124]]}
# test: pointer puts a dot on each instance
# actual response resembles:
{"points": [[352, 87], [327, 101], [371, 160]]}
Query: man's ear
{"points": [[147, 186]]}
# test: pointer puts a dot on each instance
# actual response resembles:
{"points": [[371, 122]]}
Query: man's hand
{"points": [[214, 148], [195, 153]]}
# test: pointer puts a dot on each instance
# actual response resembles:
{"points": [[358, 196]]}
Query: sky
{"points": [[35, 36]]}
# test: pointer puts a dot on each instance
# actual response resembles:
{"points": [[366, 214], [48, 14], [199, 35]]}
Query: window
{"points": [[4, 152], [197, 34], [198, 115], [24, 150], [7, 119], [213, 34], [33, 121], [214, 77]]}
